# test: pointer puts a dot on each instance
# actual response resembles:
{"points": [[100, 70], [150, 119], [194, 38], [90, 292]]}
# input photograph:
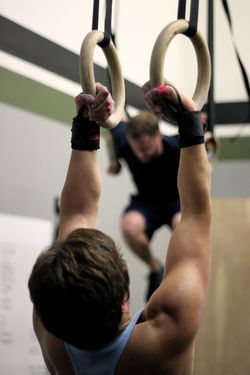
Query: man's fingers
{"points": [[105, 106], [99, 119], [83, 100], [78, 99], [100, 88], [101, 93], [170, 93], [150, 101], [98, 108], [101, 112], [100, 99], [146, 87], [102, 106]]}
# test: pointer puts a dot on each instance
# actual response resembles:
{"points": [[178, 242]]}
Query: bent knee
{"points": [[132, 224]]}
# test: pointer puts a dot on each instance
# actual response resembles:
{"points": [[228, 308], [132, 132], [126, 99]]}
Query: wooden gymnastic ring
{"points": [[203, 61], [87, 77]]}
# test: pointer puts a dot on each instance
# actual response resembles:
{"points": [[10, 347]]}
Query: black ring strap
{"points": [[193, 20], [108, 17]]}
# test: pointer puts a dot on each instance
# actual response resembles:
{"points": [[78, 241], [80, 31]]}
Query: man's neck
{"points": [[126, 316]]}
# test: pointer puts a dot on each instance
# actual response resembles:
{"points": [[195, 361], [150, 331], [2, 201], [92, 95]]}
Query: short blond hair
{"points": [[144, 123]]}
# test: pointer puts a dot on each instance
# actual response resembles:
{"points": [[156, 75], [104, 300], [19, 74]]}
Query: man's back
{"points": [[162, 343], [151, 348]]}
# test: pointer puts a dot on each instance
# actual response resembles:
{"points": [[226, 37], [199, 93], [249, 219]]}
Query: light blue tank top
{"points": [[103, 361]]}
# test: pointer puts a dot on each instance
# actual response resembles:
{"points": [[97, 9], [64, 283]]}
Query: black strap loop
{"points": [[181, 10], [242, 68], [108, 17], [243, 71], [95, 19], [193, 20]]}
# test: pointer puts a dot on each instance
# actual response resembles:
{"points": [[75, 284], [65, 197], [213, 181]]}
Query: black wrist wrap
{"points": [[191, 128], [85, 134]]}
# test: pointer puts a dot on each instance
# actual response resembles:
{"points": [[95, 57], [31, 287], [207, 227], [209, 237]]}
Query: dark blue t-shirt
{"points": [[156, 180]]}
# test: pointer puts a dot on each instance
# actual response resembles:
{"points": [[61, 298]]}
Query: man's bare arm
{"points": [[182, 295], [81, 191], [114, 166]]}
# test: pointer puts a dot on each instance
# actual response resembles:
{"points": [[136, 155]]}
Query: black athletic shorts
{"points": [[155, 214]]}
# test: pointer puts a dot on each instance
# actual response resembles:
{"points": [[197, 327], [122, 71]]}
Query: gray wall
{"points": [[33, 163], [34, 150], [231, 179]]}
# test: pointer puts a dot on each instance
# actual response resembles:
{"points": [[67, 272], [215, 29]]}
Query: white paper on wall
{"points": [[21, 240]]}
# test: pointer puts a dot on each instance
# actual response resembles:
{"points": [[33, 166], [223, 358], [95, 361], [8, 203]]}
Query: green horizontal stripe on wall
{"points": [[32, 96], [238, 149]]}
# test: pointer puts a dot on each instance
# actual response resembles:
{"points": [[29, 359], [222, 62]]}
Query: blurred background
{"points": [[39, 76]]}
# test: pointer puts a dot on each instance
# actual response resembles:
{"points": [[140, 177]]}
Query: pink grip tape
{"points": [[161, 90]]}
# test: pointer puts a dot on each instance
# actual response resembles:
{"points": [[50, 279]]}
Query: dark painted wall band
{"points": [[46, 101], [27, 45]]}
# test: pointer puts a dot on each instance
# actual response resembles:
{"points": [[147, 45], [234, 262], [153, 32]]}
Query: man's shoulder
{"points": [[171, 142], [119, 134], [120, 128], [170, 138], [152, 348]]}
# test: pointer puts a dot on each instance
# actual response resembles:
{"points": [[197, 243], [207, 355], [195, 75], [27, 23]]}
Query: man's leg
{"points": [[133, 227]]}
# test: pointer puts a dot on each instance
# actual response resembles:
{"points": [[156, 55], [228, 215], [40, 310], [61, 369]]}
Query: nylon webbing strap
{"points": [[181, 10], [193, 19], [242, 68], [95, 19], [108, 17]]}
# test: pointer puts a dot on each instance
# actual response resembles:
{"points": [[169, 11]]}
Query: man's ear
{"points": [[159, 135]]}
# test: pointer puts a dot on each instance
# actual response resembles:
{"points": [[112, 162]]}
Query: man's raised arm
{"points": [[81, 191], [182, 295]]}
